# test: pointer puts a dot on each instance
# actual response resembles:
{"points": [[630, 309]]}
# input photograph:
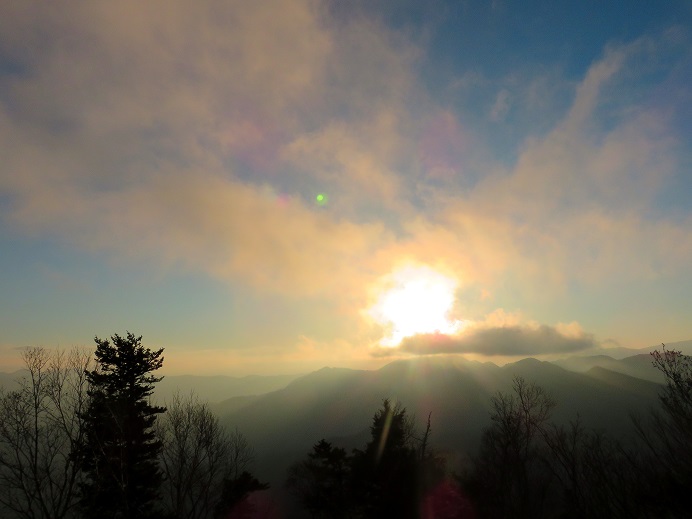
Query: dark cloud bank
{"points": [[509, 341]]}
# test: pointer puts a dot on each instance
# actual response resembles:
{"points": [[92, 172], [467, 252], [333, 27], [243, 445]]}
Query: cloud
{"points": [[580, 203], [195, 136], [501, 105], [506, 341], [353, 158], [230, 229]]}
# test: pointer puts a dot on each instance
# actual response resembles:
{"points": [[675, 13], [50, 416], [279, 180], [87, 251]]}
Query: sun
{"points": [[415, 300]]}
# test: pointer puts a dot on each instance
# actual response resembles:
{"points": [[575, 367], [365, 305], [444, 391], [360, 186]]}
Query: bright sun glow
{"points": [[416, 300]]}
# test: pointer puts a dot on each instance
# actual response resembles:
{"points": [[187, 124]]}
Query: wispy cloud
{"points": [[198, 136], [139, 138], [501, 105], [195, 137]]}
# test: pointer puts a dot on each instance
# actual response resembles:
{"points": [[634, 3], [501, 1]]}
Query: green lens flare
{"points": [[321, 199]]}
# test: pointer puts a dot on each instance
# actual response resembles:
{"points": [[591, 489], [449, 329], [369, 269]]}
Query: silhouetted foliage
{"points": [[529, 467], [68, 427], [597, 475], [391, 477], [510, 475], [385, 473], [321, 482], [667, 437], [234, 503], [199, 457], [119, 454], [39, 426]]}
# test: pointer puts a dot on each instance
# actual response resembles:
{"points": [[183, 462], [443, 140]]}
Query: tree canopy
{"points": [[119, 454]]}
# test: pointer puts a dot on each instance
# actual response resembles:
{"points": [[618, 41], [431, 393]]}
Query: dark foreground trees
{"points": [[510, 477], [387, 472], [392, 476], [322, 482], [114, 445], [206, 468], [529, 467], [119, 454], [40, 425], [667, 437], [82, 439]]}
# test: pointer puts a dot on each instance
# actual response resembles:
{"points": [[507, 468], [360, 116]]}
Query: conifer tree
{"points": [[321, 482], [385, 474], [119, 453]]}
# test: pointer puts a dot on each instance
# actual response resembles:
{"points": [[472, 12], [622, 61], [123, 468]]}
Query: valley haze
{"points": [[283, 416]]}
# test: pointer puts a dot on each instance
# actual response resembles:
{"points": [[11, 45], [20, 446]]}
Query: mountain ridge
{"points": [[284, 424]]}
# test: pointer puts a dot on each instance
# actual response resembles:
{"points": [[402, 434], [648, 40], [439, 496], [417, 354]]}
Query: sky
{"points": [[272, 187]]}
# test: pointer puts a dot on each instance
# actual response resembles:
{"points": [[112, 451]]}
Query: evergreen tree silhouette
{"points": [[321, 482], [119, 453], [385, 474]]}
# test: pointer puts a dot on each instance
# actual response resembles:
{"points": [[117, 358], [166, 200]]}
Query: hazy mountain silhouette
{"points": [[639, 366], [620, 352], [338, 404], [8, 381], [602, 398], [215, 389], [283, 416], [212, 389]]}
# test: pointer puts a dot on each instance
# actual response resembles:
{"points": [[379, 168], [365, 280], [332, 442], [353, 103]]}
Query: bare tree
{"points": [[40, 424], [598, 476], [667, 437], [198, 456], [510, 477]]}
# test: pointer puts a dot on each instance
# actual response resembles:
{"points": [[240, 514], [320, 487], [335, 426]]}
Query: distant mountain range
{"points": [[283, 416], [638, 366], [620, 352], [338, 404], [210, 389], [219, 388]]}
